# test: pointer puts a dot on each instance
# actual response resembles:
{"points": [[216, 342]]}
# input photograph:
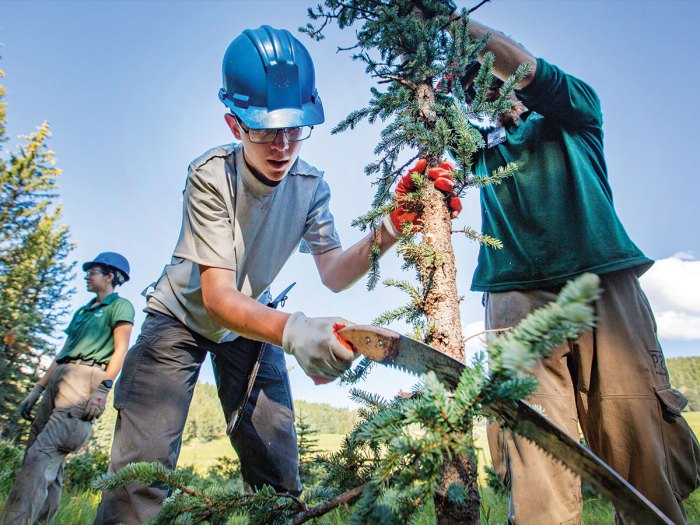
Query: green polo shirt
{"points": [[90, 332], [555, 216]]}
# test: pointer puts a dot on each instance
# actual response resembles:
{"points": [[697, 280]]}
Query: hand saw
{"points": [[391, 348]]}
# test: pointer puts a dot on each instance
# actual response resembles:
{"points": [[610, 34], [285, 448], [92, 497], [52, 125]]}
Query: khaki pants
{"points": [[613, 382], [56, 431]]}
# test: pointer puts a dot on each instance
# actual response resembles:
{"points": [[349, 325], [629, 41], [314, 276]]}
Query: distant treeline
{"points": [[205, 420], [685, 376]]}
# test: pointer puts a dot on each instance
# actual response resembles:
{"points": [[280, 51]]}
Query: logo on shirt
{"points": [[496, 137], [99, 313]]}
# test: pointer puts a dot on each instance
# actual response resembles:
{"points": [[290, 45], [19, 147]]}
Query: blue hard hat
{"points": [[269, 80], [112, 259]]}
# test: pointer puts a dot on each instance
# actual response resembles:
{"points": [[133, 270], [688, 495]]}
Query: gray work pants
{"points": [[153, 396], [613, 382], [57, 430]]}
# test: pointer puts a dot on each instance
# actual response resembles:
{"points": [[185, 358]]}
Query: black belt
{"points": [[86, 362]]}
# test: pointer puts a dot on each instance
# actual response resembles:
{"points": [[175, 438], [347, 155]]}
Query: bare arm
{"points": [[122, 333], [509, 53], [339, 268], [237, 312]]}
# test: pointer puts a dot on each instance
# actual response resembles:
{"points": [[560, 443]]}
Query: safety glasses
{"points": [[268, 136]]}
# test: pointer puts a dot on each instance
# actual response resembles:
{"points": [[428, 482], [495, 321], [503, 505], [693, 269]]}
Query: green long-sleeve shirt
{"points": [[555, 217]]}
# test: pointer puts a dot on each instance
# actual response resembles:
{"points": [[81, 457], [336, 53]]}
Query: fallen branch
{"points": [[319, 510]]}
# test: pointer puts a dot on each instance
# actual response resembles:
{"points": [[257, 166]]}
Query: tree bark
{"points": [[457, 470], [438, 276]]}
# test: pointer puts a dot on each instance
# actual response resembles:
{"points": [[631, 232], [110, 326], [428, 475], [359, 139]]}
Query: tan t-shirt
{"points": [[255, 241]]}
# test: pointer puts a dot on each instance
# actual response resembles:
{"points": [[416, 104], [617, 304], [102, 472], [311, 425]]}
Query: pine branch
{"points": [[484, 240], [497, 176], [358, 372], [402, 81], [319, 510], [375, 254]]}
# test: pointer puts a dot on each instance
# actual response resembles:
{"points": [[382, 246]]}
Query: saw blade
{"points": [[392, 349]]}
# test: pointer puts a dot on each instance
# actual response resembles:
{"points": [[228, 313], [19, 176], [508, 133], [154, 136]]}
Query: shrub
{"points": [[83, 468], [10, 463]]}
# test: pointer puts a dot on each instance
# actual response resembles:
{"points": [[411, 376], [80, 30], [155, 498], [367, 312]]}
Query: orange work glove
{"points": [[444, 181]]}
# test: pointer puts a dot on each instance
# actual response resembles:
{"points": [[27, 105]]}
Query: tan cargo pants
{"points": [[57, 430], [613, 382]]}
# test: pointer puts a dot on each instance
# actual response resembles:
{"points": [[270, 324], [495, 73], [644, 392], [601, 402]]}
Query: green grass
{"points": [[203, 455], [693, 419], [74, 509], [80, 509]]}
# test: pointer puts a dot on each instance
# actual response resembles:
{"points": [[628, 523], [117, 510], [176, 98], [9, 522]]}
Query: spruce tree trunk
{"points": [[441, 301], [441, 306]]}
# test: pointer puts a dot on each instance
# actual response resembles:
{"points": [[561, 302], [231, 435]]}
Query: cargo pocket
{"points": [[672, 401], [681, 446]]}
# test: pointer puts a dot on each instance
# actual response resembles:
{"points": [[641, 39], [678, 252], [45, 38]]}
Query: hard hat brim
{"points": [[310, 114], [87, 265]]}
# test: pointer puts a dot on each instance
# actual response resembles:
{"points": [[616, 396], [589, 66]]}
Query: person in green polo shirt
{"points": [[557, 220], [75, 389]]}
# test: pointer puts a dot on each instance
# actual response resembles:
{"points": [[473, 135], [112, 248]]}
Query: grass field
{"points": [[79, 509], [693, 419], [203, 455], [596, 511]]}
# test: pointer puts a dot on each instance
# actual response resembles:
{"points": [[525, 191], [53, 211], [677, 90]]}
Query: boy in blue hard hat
{"points": [[247, 208], [75, 389]]}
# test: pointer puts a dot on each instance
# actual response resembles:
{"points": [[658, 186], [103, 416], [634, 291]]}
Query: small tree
{"points": [[307, 441], [35, 277], [419, 52]]}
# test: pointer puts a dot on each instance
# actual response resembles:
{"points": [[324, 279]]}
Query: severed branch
{"points": [[325, 507]]}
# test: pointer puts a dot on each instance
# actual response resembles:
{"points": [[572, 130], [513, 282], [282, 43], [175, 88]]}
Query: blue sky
{"points": [[129, 89]]}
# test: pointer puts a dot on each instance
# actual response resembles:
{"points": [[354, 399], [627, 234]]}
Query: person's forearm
{"points": [[247, 317], [237, 312], [340, 268], [509, 53], [122, 333]]}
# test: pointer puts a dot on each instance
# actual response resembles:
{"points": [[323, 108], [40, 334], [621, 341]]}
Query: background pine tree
{"points": [[307, 441], [35, 276]]}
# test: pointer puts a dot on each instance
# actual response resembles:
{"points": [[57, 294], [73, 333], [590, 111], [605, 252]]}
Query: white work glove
{"points": [[316, 346], [25, 407], [97, 403]]}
